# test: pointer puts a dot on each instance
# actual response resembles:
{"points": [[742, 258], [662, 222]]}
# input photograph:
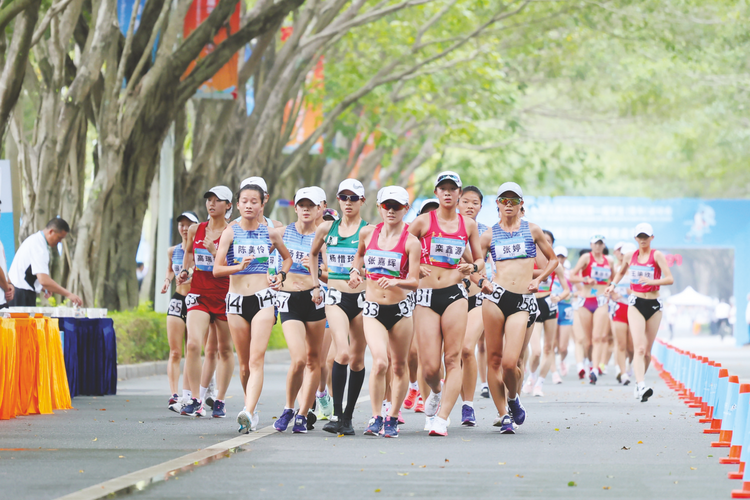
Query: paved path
{"points": [[579, 441]]}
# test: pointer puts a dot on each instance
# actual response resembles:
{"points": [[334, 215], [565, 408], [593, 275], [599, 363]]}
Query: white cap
{"points": [[258, 181], [644, 228], [619, 245], [352, 185], [447, 175], [307, 193], [189, 216], [427, 202], [597, 237], [628, 248], [221, 192], [561, 250], [321, 193], [395, 193], [512, 187]]}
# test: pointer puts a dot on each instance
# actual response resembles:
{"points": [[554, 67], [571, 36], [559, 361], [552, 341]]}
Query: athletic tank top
{"points": [[650, 270], [392, 263], [203, 277], [341, 251], [514, 245], [245, 243], [178, 256], [600, 272], [441, 249], [299, 246]]}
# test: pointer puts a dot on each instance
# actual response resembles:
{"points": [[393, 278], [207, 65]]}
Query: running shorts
{"points": [[547, 309], [177, 307], [211, 304], [350, 303], [592, 303], [248, 306], [299, 306], [647, 307], [475, 301], [511, 303], [621, 313], [564, 314], [438, 299], [388, 314]]}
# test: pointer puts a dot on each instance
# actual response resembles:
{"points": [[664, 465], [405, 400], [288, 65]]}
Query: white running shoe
{"points": [[255, 418], [428, 423], [325, 407], [556, 378], [635, 392], [528, 385], [201, 412], [563, 369], [244, 419], [624, 379], [439, 427], [432, 404], [538, 391], [645, 393]]}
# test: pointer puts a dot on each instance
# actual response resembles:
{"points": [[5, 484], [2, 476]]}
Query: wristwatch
{"points": [[476, 268], [283, 276], [479, 283]]}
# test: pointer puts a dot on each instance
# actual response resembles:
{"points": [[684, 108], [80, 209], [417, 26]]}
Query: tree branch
{"points": [[51, 13]]}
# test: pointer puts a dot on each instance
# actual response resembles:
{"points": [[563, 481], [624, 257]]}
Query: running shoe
{"points": [[517, 411], [400, 418], [528, 385], [244, 419], [211, 392], [538, 391], [300, 425], [563, 369], [619, 377], [385, 409], [419, 407], [485, 392], [190, 408], [506, 425], [635, 392], [346, 427], [254, 419], [201, 411], [411, 398], [374, 426], [174, 403], [581, 373], [625, 379], [219, 409], [645, 393], [592, 377], [325, 407], [556, 378], [467, 416], [311, 419], [432, 404], [390, 428], [602, 369], [283, 421], [333, 425], [439, 427], [428, 423]]}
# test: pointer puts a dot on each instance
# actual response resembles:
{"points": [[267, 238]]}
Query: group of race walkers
{"points": [[439, 302]]}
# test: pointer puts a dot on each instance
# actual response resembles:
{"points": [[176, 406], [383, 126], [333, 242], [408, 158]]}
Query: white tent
{"points": [[689, 297]]}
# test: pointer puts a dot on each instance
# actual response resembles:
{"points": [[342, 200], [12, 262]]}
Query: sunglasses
{"points": [[349, 197], [512, 201], [452, 178], [392, 205]]}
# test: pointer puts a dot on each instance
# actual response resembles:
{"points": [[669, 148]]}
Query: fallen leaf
{"points": [[382, 452], [81, 471], [465, 440], [572, 483], [557, 430], [422, 466], [377, 491], [501, 463], [675, 482], [121, 456], [95, 439], [140, 421], [693, 468], [340, 435], [301, 488], [102, 409], [447, 460], [402, 473], [611, 477], [710, 456], [111, 420], [518, 475], [605, 487], [640, 442]]}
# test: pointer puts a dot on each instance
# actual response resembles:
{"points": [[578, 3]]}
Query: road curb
{"points": [[151, 368]]}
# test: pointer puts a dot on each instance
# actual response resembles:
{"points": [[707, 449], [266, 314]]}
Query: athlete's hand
{"points": [[355, 280], [165, 286], [555, 299], [210, 246], [487, 286], [274, 282], [588, 280], [645, 281], [316, 296], [181, 278], [75, 299], [466, 269], [306, 262], [386, 283], [10, 292], [608, 291], [424, 271], [246, 260], [534, 285]]}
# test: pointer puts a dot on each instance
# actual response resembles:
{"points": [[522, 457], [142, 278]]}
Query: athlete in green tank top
{"points": [[341, 251]]}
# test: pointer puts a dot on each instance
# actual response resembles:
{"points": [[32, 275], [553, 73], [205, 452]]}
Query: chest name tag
{"points": [[511, 248], [340, 260], [600, 273], [244, 247], [204, 261], [381, 262], [446, 250], [638, 272]]}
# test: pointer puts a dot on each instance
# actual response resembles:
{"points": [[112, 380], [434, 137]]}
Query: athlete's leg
{"points": [[339, 327], [563, 340], [294, 333], [638, 330], [400, 342], [621, 333], [474, 329], [325, 366], [315, 331], [240, 330], [548, 359], [175, 337], [211, 357], [494, 324], [357, 346], [197, 327], [652, 328], [482, 358], [225, 367], [453, 324], [377, 340], [260, 332]]}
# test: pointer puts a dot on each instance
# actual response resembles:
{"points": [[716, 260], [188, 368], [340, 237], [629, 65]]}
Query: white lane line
{"points": [[141, 479]]}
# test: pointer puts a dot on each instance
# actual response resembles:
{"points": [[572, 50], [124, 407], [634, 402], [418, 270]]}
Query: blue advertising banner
{"points": [[7, 234]]}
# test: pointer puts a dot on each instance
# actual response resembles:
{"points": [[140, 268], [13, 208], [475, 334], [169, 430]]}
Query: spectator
{"points": [[29, 271], [140, 273], [721, 315]]}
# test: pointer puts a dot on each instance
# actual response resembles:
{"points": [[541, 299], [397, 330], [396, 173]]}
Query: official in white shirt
{"points": [[29, 271], [5, 285]]}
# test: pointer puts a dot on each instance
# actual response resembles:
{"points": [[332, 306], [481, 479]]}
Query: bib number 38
{"points": [[424, 297]]}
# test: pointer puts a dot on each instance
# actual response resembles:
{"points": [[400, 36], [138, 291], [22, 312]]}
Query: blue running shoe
{"points": [[467, 416], [517, 411], [390, 427], [245, 421], [506, 425], [592, 376], [191, 408], [375, 424], [300, 425], [219, 410], [283, 421]]}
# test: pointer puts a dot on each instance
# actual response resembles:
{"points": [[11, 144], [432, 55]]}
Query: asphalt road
{"points": [[578, 441]]}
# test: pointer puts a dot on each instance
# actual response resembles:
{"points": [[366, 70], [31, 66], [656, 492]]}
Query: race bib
{"points": [[462, 287], [631, 300], [340, 260], [333, 297], [446, 250], [511, 248], [266, 298], [601, 301], [282, 301], [405, 308], [551, 303], [244, 247], [496, 295], [638, 272], [529, 304], [298, 253], [175, 307], [601, 273], [424, 297], [204, 261], [322, 302], [578, 303], [385, 263], [191, 300], [361, 300], [479, 299], [370, 309], [177, 266], [234, 303]]}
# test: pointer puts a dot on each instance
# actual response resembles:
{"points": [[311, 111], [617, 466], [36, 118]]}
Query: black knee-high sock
{"points": [[338, 379], [356, 379]]}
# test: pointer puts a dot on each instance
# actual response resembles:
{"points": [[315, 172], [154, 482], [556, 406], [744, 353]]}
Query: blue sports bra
{"points": [[256, 243], [516, 245], [299, 246]]}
